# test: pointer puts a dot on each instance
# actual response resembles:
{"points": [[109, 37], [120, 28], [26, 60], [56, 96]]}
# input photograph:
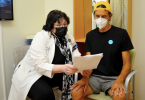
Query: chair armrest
{"points": [[76, 77], [128, 79]]}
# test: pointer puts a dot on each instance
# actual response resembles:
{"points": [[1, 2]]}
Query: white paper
{"points": [[87, 62]]}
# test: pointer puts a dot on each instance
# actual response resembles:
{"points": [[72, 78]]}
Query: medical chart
{"points": [[87, 62]]}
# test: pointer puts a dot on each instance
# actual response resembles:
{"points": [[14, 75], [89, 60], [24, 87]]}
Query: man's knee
{"points": [[119, 97], [77, 94]]}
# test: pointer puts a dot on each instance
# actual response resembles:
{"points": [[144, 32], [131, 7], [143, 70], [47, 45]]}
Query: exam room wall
{"points": [[63, 5], [138, 39], [29, 17]]}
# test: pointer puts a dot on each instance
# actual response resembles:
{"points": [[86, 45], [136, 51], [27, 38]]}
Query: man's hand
{"points": [[83, 82], [118, 86], [86, 72]]}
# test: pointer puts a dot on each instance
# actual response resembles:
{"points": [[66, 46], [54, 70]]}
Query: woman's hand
{"points": [[69, 69]]}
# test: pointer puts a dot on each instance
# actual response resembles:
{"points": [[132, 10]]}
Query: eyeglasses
{"points": [[65, 25]]}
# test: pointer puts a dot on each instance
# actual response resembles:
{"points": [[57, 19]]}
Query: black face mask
{"points": [[61, 32]]}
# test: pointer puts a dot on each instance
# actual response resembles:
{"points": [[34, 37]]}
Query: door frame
{"points": [[2, 64]]}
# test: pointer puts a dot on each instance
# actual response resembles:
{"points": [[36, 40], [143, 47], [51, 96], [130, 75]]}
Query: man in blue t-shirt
{"points": [[114, 67]]}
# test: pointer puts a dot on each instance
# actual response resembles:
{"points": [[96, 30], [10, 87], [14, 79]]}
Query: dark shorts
{"points": [[101, 83]]}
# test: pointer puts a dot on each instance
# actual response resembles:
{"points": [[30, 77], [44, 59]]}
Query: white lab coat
{"points": [[37, 62]]}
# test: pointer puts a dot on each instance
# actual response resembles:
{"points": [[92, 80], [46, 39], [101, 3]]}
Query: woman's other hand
{"points": [[69, 69]]}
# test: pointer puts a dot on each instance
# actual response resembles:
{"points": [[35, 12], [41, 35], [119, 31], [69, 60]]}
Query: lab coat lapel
{"points": [[50, 49], [69, 43]]}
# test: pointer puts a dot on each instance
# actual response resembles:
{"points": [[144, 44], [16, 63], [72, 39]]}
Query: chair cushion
{"points": [[100, 96], [132, 58]]}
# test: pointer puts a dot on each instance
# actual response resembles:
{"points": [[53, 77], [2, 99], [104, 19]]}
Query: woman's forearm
{"points": [[67, 69], [58, 69]]}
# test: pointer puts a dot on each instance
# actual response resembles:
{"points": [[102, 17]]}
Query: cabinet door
{"points": [[78, 19], [82, 18], [82, 21]]}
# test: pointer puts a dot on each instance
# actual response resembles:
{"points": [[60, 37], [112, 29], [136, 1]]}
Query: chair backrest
{"points": [[132, 58], [19, 53]]}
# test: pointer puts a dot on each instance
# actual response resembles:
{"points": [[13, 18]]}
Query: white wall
{"points": [[138, 39], [63, 5], [29, 18]]}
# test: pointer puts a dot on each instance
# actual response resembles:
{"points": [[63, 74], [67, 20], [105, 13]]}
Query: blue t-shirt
{"points": [[111, 43]]}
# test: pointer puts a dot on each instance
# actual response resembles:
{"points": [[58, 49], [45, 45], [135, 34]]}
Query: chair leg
{"points": [[28, 98], [57, 95], [56, 90]]}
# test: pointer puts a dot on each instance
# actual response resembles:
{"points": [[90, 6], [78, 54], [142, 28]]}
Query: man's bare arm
{"points": [[126, 66], [118, 84]]}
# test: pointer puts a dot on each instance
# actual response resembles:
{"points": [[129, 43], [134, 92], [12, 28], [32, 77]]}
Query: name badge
{"points": [[74, 47]]}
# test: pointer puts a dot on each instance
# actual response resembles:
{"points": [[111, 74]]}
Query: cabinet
{"points": [[82, 21]]}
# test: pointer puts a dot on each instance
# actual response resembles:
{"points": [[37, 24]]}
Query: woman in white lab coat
{"points": [[48, 62]]}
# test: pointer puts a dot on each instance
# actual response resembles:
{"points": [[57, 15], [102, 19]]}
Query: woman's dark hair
{"points": [[103, 6], [53, 17]]}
